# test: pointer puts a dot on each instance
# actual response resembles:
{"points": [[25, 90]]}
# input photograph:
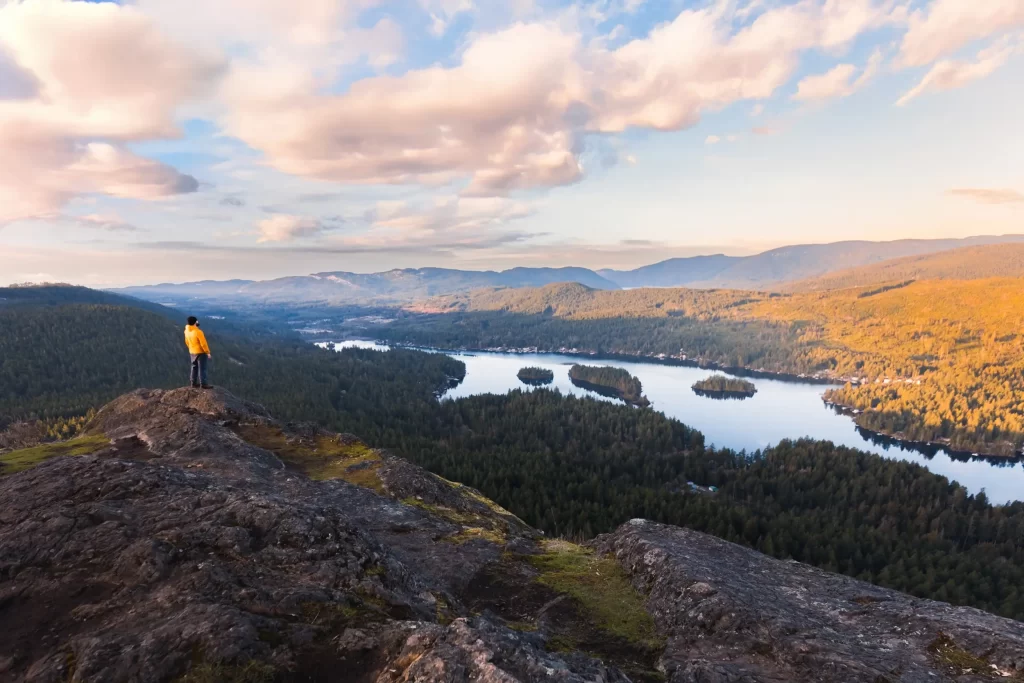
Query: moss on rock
{"points": [[27, 458], [321, 457], [600, 586]]}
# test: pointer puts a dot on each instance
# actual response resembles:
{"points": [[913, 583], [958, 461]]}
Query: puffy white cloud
{"points": [[320, 34], [99, 76], [515, 112], [499, 117], [949, 73], [944, 26], [285, 228], [712, 140]]}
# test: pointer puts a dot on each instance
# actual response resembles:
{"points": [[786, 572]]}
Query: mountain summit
{"points": [[194, 538]]}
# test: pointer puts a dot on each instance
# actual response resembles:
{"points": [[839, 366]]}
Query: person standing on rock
{"points": [[199, 350]]}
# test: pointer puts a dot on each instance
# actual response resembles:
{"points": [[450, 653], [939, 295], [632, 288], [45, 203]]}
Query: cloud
{"points": [[756, 110], [286, 228], [448, 223], [765, 130], [108, 222], [232, 201], [313, 37], [949, 74], [442, 12], [68, 134], [833, 83], [947, 25], [989, 196], [712, 140], [838, 81], [516, 111]]}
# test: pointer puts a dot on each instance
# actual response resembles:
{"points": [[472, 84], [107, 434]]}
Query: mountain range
{"points": [[785, 264], [334, 288], [771, 270]]}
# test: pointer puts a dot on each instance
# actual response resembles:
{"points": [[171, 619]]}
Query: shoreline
{"points": [[928, 449], [659, 359], [924, 447], [724, 395], [611, 392]]}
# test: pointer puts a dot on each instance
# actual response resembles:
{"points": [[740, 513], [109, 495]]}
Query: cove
{"points": [[779, 410]]}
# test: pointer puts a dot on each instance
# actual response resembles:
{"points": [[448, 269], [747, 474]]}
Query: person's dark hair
{"points": [[192, 320]]}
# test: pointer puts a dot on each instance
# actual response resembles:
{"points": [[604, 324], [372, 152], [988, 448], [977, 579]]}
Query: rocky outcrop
{"points": [[190, 537], [731, 614], [179, 550]]}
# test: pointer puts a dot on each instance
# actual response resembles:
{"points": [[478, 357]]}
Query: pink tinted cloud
{"points": [[286, 228], [67, 136], [944, 26], [989, 195], [514, 113], [949, 74], [838, 81]]}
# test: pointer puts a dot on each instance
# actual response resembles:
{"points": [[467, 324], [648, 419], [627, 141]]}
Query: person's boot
{"points": [[194, 385], [205, 386]]}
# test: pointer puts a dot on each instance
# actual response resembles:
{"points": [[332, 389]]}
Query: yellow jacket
{"points": [[195, 340]]}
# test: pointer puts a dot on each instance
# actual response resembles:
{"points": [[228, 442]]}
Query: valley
{"points": [[781, 409]]}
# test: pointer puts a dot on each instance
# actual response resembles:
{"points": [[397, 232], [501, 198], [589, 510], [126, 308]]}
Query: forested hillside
{"points": [[969, 263], [580, 466], [567, 465], [60, 359], [952, 351]]}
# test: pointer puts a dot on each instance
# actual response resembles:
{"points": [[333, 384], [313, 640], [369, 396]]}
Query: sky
{"points": [[148, 141]]}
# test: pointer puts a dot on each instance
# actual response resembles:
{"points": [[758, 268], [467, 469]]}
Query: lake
{"points": [[780, 410]]}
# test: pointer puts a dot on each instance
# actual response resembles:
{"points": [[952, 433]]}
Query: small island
{"points": [[613, 382], [536, 377], [720, 386]]}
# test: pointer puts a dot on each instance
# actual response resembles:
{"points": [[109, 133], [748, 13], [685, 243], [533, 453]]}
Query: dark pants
{"points": [[198, 375]]}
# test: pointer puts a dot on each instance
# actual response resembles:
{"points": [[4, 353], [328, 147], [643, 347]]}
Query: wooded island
{"points": [[720, 386], [614, 382]]}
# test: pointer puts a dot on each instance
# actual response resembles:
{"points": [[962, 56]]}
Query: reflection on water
{"points": [[779, 410]]}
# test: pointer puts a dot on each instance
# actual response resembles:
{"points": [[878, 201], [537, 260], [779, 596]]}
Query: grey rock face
{"points": [[183, 550], [732, 614]]}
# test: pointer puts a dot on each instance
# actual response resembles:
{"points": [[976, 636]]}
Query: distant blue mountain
{"points": [[333, 288]]}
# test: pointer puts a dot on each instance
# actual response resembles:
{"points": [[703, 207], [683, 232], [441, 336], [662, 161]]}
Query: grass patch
{"points": [[27, 458], [444, 613], [475, 533], [250, 672], [522, 626], [601, 588], [322, 457], [450, 514], [957, 660], [483, 500]]}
